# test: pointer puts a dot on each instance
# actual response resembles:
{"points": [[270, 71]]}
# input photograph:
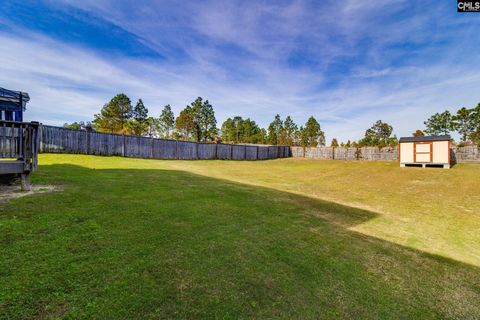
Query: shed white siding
{"points": [[406, 152], [428, 151], [441, 152]]}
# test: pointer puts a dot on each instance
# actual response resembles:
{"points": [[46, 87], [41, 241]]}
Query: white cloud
{"points": [[241, 64]]}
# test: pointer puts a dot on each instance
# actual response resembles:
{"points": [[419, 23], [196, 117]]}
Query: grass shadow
{"points": [[142, 243]]}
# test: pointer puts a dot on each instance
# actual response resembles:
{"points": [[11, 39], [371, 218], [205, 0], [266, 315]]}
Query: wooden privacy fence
{"points": [[342, 153], [458, 154], [465, 154], [62, 140]]}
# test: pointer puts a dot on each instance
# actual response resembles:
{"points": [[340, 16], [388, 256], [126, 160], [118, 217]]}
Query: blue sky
{"points": [[348, 63]]}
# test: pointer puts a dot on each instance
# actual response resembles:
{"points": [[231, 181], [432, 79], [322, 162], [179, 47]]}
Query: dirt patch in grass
{"points": [[14, 191]]}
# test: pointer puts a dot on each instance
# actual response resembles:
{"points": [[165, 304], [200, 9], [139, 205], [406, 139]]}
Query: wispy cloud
{"points": [[348, 65]]}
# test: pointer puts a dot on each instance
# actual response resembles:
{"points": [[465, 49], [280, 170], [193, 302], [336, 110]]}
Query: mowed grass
{"points": [[292, 238]]}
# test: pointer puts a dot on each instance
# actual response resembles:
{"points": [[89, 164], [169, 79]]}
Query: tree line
{"points": [[466, 122], [197, 122]]}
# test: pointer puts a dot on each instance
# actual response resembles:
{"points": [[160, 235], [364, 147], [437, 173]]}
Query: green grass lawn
{"points": [[291, 238]]}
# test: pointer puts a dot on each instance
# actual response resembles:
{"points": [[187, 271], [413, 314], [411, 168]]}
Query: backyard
{"points": [[288, 238]]}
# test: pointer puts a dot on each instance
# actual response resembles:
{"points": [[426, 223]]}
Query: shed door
{"points": [[423, 152]]}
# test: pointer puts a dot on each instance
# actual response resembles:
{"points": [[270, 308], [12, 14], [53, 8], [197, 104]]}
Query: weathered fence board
{"points": [[238, 152], [319, 153], [466, 154], [272, 152], [104, 144], [345, 153], [224, 151], [62, 140], [186, 150], [164, 149], [251, 152], [207, 151], [138, 147]]}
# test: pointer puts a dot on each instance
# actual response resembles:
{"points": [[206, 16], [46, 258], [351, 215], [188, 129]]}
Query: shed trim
{"points": [[425, 139]]}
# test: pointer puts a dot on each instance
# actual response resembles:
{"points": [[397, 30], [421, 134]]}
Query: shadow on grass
{"points": [[123, 243]]}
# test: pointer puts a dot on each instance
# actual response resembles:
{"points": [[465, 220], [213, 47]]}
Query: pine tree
{"points": [[439, 123], [313, 135], [463, 122], [207, 122], [114, 115], [475, 135], [185, 124], [289, 129], [378, 135], [274, 130], [139, 124], [203, 116], [166, 122]]}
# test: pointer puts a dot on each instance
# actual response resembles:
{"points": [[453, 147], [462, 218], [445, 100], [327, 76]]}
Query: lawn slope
{"points": [[129, 238]]}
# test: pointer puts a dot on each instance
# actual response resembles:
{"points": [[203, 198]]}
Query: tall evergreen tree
{"points": [[195, 113], [251, 132], [439, 123], [475, 135], [152, 127], [298, 137], [378, 135], [263, 134], [185, 124], [463, 122], [114, 115], [274, 130], [140, 112], [312, 134], [139, 125], [207, 122], [288, 132], [166, 122], [239, 130], [204, 120], [228, 130]]}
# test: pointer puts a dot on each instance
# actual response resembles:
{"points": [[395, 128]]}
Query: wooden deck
{"points": [[19, 146]]}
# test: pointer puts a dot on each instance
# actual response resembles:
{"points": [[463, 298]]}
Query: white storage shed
{"points": [[425, 151]]}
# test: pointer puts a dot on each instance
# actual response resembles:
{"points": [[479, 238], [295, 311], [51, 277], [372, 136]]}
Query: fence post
{"points": [[176, 149], [123, 146], [40, 133], [258, 151], [151, 147], [86, 141], [216, 151]]}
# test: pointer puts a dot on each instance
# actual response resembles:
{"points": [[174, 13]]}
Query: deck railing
{"points": [[20, 141]]}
